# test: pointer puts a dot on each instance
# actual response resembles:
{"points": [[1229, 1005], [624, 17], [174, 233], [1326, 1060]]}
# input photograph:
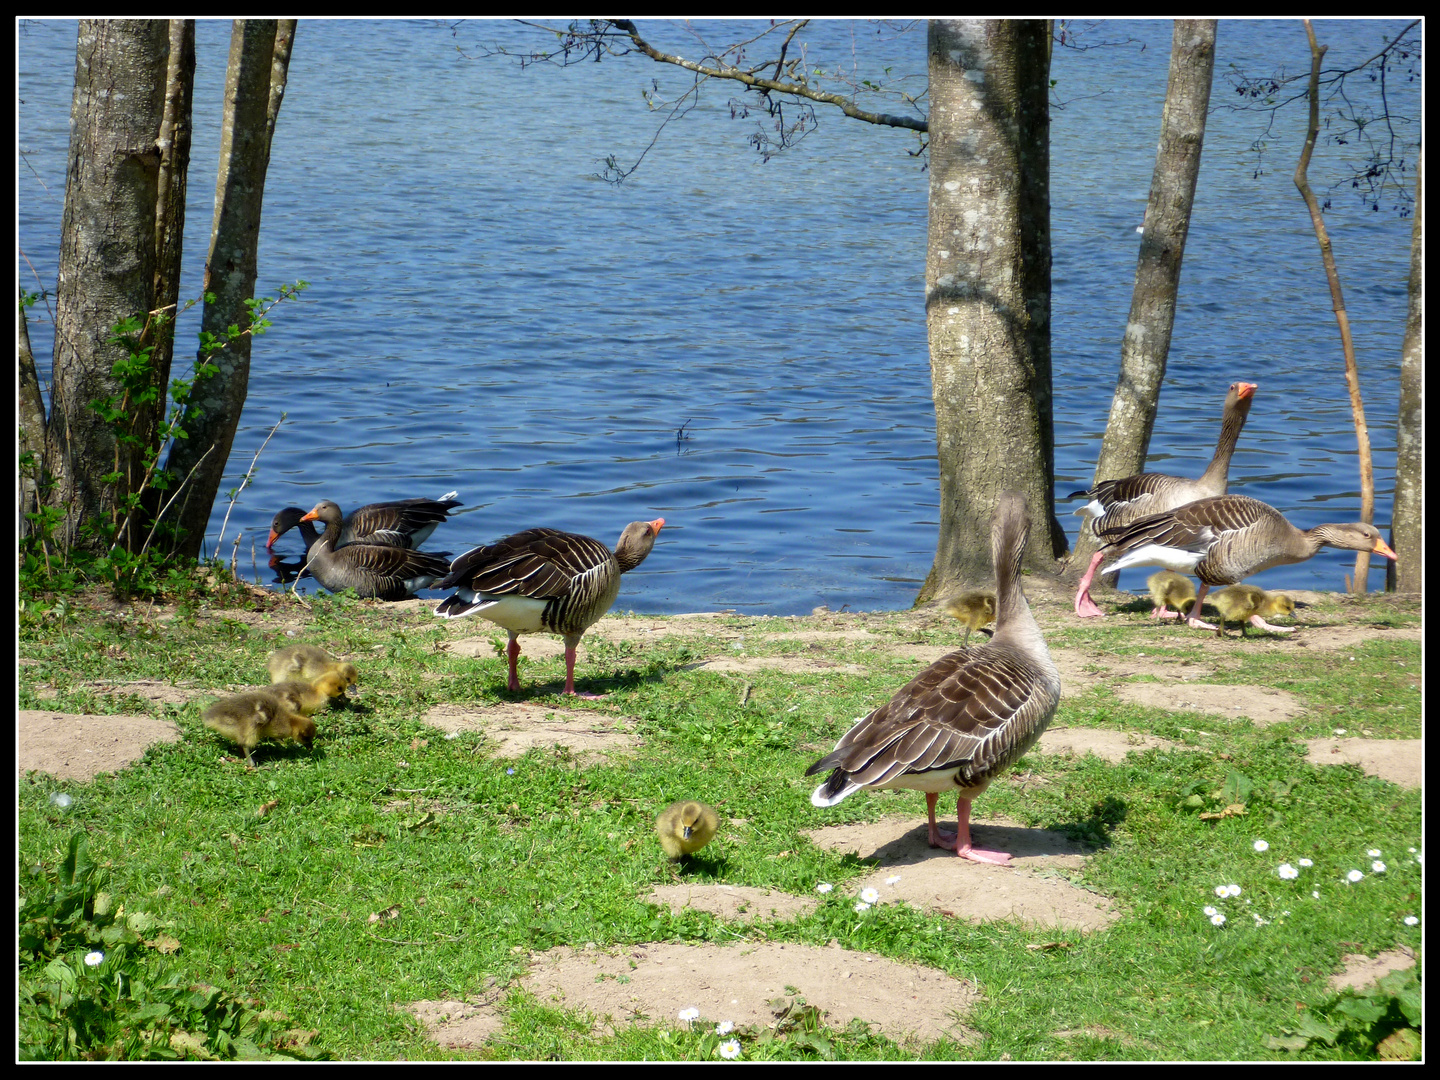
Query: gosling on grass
{"points": [[974, 609], [1249, 603], [304, 697], [686, 827], [1168, 587], [247, 718], [308, 662]]}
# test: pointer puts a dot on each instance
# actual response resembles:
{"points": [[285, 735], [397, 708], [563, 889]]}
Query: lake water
{"points": [[485, 315]]}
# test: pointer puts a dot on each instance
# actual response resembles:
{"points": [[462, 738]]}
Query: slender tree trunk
{"points": [[32, 424], [987, 295], [107, 258], [1146, 343], [254, 86], [1407, 519], [1337, 300]]}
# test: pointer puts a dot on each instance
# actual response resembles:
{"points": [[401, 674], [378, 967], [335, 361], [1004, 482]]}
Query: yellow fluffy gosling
{"points": [[308, 662], [1248, 603], [685, 827], [304, 697], [974, 609], [1168, 587], [247, 718]]}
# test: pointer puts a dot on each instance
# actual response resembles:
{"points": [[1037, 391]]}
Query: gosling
{"points": [[304, 697], [308, 662], [974, 609], [686, 827], [248, 718], [1247, 603], [1168, 587]]}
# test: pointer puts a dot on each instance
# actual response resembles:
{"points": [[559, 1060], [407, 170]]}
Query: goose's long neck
{"points": [[1217, 473], [1013, 620]]}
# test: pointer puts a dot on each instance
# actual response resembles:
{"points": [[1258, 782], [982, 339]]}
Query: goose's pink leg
{"points": [[938, 837], [570, 644], [1195, 620], [1255, 620], [512, 652], [1084, 606], [960, 842]]}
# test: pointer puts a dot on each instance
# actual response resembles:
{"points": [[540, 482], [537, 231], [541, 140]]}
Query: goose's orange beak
{"points": [[271, 542], [310, 516], [657, 524], [1382, 548], [1247, 388]]}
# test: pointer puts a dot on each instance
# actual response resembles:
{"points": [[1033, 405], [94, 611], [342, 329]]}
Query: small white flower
{"points": [[730, 1050], [1412, 851], [1315, 893], [1305, 862], [1411, 920], [1222, 891], [824, 887], [893, 879], [1341, 730], [689, 1013], [1210, 910], [870, 896], [1378, 866], [1374, 853], [1288, 872], [1258, 920], [1233, 890], [1217, 919], [1354, 876], [861, 907], [1261, 845], [94, 959], [724, 1027]]}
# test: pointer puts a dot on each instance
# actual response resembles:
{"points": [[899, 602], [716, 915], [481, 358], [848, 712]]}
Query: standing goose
{"points": [[1226, 539], [1113, 504], [545, 580], [386, 573], [967, 717], [407, 523]]}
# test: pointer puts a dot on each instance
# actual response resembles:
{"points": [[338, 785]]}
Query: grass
{"points": [[391, 864]]}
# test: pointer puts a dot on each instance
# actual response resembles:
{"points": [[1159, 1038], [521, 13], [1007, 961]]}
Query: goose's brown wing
{"points": [[540, 563]]}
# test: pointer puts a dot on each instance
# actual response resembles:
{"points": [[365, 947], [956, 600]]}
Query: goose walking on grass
{"points": [[1248, 603], [1226, 539], [375, 570], [966, 718], [406, 523], [545, 580], [1113, 504]]}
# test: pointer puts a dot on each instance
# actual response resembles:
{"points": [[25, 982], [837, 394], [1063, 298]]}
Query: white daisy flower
{"points": [[1315, 893], [1222, 891], [1305, 862], [1354, 876], [870, 896], [94, 959], [824, 887], [1210, 910], [1378, 866], [1411, 920], [1261, 845], [861, 908], [724, 1027], [730, 1050], [689, 1013], [893, 879], [1217, 919], [1233, 890], [1374, 853], [1288, 872]]}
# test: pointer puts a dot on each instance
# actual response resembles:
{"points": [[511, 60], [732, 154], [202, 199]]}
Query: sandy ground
{"points": [[750, 983]]}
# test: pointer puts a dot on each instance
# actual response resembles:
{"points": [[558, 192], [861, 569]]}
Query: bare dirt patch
{"points": [[1104, 744], [1360, 971], [1261, 704], [72, 746], [733, 903], [650, 984], [1396, 760], [1347, 637], [794, 664], [1031, 891], [517, 727], [1077, 672]]}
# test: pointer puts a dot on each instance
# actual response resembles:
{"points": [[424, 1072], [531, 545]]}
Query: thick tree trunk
{"points": [[1407, 519], [1337, 301], [1157, 274], [987, 289], [107, 258], [254, 85]]}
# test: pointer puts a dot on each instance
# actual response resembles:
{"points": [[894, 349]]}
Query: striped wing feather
{"points": [[541, 563]]}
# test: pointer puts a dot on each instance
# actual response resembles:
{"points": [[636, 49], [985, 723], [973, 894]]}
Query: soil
{"points": [[746, 983]]}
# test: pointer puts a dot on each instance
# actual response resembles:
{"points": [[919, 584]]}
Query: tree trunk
{"points": [[254, 85], [32, 424], [987, 295], [1157, 274], [107, 259], [1407, 518], [1337, 301]]}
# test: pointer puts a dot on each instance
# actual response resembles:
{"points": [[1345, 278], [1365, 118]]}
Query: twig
{"points": [[156, 524], [249, 472]]}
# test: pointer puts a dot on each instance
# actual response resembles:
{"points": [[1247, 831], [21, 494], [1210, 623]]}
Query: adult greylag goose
{"points": [[685, 827], [1169, 588], [247, 718], [967, 717], [974, 609], [378, 570], [406, 523], [545, 580], [308, 662], [1250, 603], [1226, 539], [1113, 504]]}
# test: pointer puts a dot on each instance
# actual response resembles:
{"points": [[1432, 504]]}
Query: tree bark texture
{"points": [[1146, 343], [1407, 519], [32, 422], [213, 413], [107, 253], [1337, 301], [987, 289]]}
